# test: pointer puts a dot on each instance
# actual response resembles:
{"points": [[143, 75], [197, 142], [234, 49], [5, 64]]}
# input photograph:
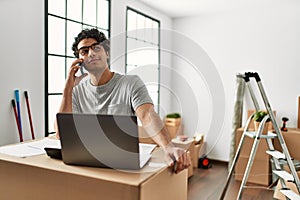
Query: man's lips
{"points": [[93, 60]]}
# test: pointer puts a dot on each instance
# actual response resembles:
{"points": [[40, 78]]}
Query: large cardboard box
{"points": [[247, 146], [259, 173], [261, 169], [292, 141], [40, 177]]}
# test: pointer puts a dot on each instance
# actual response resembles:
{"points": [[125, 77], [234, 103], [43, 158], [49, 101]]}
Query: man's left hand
{"points": [[177, 158]]}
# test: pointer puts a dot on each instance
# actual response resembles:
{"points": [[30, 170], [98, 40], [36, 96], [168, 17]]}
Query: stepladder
{"points": [[286, 173]]}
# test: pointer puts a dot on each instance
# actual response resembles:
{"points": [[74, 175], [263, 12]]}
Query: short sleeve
{"points": [[139, 95]]}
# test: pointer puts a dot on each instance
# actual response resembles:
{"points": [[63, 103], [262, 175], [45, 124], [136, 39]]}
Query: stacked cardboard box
{"points": [[198, 150], [261, 169], [292, 140]]}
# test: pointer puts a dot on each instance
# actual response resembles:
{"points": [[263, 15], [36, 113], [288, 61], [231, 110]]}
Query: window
{"points": [[143, 50], [64, 20]]}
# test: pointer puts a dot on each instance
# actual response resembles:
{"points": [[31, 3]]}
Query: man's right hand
{"points": [[73, 80]]}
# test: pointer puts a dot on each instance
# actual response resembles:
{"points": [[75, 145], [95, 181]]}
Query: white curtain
{"points": [[237, 115]]}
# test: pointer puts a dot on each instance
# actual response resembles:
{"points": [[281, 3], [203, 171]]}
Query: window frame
{"points": [[158, 45], [65, 56]]}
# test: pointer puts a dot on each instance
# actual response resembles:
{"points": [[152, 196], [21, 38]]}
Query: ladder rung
{"points": [[252, 134], [276, 154], [283, 174], [290, 194]]}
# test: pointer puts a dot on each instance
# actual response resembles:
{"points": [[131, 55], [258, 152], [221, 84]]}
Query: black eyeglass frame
{"points": [[87, 48]]}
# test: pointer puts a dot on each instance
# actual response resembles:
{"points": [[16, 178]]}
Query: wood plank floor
{"points": [[207, 184]]}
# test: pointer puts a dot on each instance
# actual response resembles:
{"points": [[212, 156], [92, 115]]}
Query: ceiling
{"points": [[184, 8]]}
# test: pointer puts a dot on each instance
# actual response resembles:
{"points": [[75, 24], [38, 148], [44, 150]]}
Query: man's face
{"points": [[94, 55]]}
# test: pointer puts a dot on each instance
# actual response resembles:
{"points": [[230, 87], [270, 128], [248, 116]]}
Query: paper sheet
{"points": [[30, 148], [146, 148], [145, 153], [37, 148]]}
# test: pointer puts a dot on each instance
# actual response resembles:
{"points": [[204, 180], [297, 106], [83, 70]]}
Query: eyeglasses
{"points": [[96, 47]]}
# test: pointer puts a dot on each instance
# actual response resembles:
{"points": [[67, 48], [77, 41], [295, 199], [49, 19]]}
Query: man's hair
{"points": [[91, 33]]}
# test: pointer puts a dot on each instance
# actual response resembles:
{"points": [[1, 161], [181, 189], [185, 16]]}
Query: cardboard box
{"points": [[298, 124], [190, 171], [259, 173], [292, 186], [261, 169], [40, 177], [247, 146], [199, 150], [292, 141]]}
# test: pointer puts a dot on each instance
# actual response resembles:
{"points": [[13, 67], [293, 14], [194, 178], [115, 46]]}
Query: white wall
{"points": [[262, 39], [22, 66]]}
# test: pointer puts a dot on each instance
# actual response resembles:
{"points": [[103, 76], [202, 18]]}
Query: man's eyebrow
{"points": [[89, 45]]}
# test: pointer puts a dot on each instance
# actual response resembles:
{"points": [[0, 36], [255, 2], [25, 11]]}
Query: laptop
{"points": [[95, 140]]}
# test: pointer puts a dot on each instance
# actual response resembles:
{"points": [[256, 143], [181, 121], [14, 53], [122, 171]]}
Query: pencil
{"points": [[17, 120], [29, 114]]}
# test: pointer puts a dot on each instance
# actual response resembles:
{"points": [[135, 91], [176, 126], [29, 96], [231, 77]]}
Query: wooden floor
{"points": [[208, 184]]}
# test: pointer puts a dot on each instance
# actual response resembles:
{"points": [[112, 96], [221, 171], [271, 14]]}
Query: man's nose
{"points": [[91, 52]]}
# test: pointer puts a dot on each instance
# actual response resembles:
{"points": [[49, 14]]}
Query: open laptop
{"points": [[95, 140]]}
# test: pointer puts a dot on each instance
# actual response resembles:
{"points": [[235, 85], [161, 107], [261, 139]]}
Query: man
{"points": [[106, 92]]}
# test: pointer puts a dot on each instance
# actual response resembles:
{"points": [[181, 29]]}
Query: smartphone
{"points": [[81, 67]]}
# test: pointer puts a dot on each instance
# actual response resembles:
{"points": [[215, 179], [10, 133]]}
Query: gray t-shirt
{"points": [[121, 95]]}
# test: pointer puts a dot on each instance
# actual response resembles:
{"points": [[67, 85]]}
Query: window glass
{"points": [[103, 15], [56, 35], [57, 7], [89, 12], [74, 10], [73, 29], [56, 74], [142, 51]]}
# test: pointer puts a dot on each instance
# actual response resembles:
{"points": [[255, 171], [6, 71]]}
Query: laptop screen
{"points": [[99, 140]]}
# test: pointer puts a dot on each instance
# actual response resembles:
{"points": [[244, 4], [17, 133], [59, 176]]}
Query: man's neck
{"points": [[101, 78]]}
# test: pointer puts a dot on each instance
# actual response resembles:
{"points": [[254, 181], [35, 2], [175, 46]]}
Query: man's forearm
{"points": [[66, 103], [65, 107], [162, 138], [153, 125]]}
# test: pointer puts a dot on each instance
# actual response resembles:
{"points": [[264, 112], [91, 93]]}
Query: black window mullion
{"points": [[66, 28], [46, 70]]}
